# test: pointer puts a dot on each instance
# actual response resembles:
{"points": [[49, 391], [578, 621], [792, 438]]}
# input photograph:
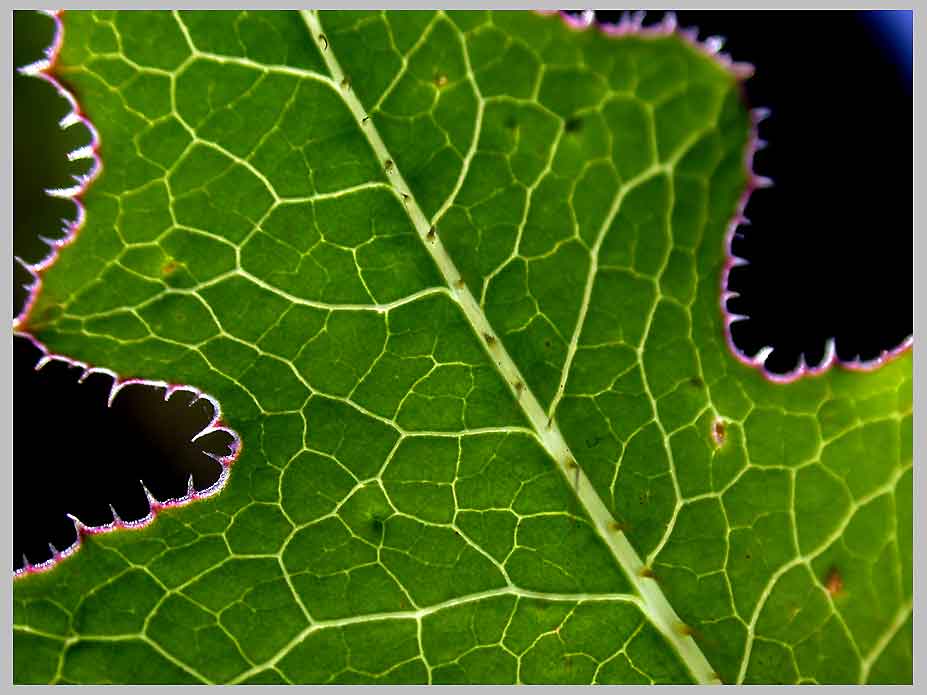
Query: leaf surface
{"points": [[454, 279]]}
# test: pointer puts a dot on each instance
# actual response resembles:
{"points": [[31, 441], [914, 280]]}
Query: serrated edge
{"points": [[632, 23], [731, 261], [154, 505], [43, 69]]}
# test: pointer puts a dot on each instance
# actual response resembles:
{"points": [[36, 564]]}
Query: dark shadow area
{"points": [[830, 245], [75, 455], [40, 147]]}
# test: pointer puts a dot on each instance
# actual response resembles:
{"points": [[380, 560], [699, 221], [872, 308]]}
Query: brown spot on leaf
{"points": [[834, 582], [718, 431]]}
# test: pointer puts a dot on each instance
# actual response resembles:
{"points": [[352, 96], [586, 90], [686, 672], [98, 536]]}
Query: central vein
{"points": [[655, 604]]}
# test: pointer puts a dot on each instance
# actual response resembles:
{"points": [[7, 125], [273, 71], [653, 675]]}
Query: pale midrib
{"points": [[654, 603]]}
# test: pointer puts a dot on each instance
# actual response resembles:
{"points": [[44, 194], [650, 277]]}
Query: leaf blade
{"points": [[646, 374]]}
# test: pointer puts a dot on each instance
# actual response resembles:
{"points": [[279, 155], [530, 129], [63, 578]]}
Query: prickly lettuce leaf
{"points": [[454, 279]]}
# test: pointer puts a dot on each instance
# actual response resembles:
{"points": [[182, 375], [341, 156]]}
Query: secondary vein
{"points": [[655, 605]]}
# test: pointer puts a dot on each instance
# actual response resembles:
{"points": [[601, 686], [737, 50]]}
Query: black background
{"points": [[829, 248]]}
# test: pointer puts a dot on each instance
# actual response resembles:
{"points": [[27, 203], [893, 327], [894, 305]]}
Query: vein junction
{"points": [[655, 604], [395, 485]]}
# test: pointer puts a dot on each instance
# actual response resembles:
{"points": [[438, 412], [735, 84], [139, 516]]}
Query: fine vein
{"points": [[655, 604]]}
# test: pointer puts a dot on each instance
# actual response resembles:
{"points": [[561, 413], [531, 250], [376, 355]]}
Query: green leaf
{"points": [[454, 279]]}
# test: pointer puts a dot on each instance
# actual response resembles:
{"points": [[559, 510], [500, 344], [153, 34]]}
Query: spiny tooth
{"points": [[762, 355], [714, 43], [79, 525], [152, 501]]}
